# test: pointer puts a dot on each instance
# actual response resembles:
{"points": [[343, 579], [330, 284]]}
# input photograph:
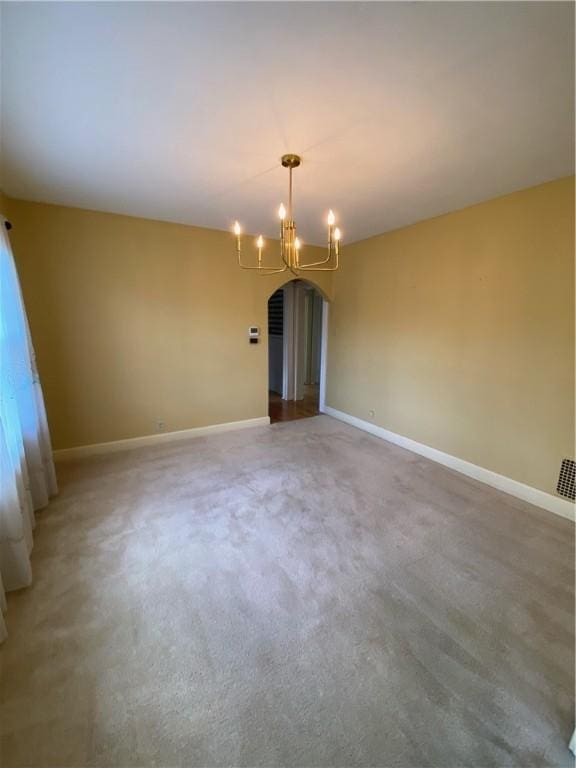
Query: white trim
{"points": [[288, 346], [534, 496], [299, 342], [164, 437], [323, 356]]}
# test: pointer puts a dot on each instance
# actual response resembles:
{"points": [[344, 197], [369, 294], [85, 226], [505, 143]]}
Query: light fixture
{"points": [[290, 243]]}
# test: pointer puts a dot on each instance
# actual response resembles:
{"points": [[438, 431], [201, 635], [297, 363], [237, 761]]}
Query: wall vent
{"points": [[567, 480]]}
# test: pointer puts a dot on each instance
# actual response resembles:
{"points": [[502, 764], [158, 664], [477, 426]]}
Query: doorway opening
{"points": [[296, 320]]}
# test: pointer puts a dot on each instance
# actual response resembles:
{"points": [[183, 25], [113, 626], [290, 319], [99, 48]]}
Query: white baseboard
{"points": [[534, 496], [164, 437]]}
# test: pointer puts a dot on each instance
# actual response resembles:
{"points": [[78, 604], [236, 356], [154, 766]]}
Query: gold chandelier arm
{"points": [[288, 265], [313, 268], [315, 264], [283, 256], [285, 242], [265, 270], [262, 270], [320, 269]]}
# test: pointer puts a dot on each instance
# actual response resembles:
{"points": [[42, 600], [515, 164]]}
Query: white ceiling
{"points": [[180, 111]]}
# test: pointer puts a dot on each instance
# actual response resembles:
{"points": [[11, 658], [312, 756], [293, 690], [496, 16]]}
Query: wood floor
{"points": [[289, 410]]}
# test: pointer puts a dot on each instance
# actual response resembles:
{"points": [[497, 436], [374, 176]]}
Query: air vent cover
{"points": [[567, 481]]}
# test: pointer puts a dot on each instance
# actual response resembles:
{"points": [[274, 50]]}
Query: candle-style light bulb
{"points": [[331, 218], [260, 242], [282, 211], [337, 236], [237, 232], [297, 246]]}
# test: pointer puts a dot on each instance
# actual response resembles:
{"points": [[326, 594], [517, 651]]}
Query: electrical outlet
{"points": [[160, 426], [371, 413]]}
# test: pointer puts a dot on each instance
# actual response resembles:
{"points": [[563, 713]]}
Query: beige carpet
{"points": [[299, 595]]}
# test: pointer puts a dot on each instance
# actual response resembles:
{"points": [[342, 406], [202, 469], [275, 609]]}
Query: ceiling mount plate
{"points": [[291, 161]]}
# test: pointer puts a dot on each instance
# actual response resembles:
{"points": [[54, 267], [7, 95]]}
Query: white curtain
{"points": [[27, 471]]}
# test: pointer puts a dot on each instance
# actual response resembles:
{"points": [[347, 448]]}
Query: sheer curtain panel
{"points": [[27, 477]]}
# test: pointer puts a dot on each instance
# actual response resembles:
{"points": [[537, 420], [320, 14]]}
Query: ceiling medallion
{"points": [[290, 243]]}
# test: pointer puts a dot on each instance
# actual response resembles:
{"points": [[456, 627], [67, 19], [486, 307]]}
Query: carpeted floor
{"points": [[297, 595]]}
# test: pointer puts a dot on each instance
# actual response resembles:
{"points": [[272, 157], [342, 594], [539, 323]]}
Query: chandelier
{"points": [[290, 243]]}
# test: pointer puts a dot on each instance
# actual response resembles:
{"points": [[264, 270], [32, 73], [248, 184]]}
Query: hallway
{"points": [[289, 410], [294, 351]]}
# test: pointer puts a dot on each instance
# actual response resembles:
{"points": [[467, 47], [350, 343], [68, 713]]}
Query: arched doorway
{"points": [[297, 321]]}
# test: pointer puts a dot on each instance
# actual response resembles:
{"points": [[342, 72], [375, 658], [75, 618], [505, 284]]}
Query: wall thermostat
{"points": [[253, 334]]}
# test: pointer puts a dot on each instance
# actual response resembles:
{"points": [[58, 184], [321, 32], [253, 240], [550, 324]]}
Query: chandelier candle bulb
{"points": [[237, 232], [331, 221], [337, 237], [297, 246], [260, 245]]}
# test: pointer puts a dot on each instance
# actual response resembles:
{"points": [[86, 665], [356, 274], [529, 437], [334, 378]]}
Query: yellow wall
{"points": [[459, 333], [4, 203], [136, 321]]}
